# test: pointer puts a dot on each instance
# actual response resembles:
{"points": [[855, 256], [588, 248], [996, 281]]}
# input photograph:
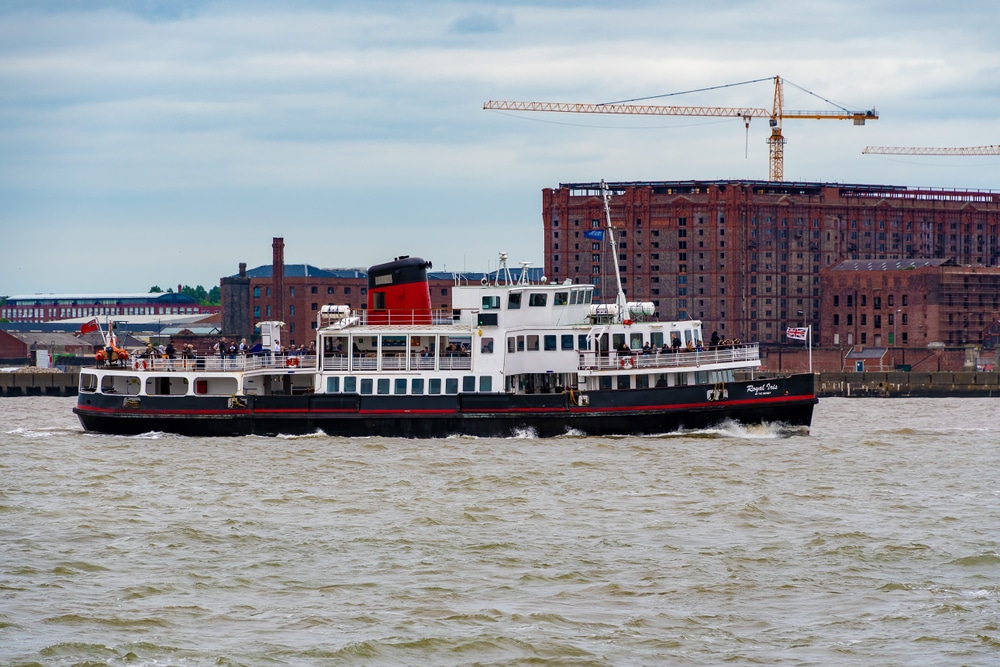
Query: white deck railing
{"points": [[740, 354], [215, 363], [361, 363]]}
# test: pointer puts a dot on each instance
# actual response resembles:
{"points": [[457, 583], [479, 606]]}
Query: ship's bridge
{"points": [[520, 305]]}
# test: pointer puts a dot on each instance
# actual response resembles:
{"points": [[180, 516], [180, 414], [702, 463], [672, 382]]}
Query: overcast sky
{"points": [[146, 142]]}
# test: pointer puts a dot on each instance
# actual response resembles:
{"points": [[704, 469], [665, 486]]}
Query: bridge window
{"points": [[491, 302], [538, 299], [513, 301]]}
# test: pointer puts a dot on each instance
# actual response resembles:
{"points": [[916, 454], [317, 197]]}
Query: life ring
{"points": [[292, 361], [135, 365], [627, 363]]}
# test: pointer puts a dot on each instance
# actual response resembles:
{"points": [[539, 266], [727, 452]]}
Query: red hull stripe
{"points": [[534, 411]]}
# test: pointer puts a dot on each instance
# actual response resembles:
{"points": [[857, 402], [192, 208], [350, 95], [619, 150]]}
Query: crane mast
{"points": [[776, 141]]}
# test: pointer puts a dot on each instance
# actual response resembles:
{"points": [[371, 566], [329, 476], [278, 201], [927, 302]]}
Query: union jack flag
{"points": [[797, 333]]}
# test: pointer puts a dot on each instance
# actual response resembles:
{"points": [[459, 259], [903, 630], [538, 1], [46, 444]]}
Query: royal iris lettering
{"points": [[758, 389]]}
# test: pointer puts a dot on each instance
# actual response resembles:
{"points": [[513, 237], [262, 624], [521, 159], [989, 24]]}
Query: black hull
{"points": [[787, 400]]}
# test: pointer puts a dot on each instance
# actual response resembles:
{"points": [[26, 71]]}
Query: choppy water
{"points": [[873, 541]]}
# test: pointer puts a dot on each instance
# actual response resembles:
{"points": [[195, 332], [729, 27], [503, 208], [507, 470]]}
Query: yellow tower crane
{"points": [[775, 116], [903, 150]]}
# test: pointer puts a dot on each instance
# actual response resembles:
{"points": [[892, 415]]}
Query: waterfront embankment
{"points": [[900, 384], [894, 384]]}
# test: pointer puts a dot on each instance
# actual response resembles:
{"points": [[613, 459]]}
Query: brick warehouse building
{"points": [[745, 257], [915, 305]]}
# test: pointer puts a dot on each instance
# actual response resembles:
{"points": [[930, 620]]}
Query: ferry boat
{"points": [[512, 357]]}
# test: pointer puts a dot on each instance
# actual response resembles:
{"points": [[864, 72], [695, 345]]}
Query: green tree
{"points": [[212, 297], [197, 293]]}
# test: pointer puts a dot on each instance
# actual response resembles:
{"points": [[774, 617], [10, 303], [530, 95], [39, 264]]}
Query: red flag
{"points": [[89, 326]]}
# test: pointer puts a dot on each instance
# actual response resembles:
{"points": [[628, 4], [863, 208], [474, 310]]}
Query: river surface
{"points": [[875, 540]]}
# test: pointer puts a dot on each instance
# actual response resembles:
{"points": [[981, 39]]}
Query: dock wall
{"points": [[892, 384], [898, 384], [38, 384]]}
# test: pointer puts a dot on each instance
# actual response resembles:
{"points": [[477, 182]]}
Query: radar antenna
{"points": [[503, 271]]}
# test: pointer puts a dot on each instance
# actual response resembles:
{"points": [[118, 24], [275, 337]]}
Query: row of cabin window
{"points": [[539, 299], [531, 342], [382, 386], [642, 381]]}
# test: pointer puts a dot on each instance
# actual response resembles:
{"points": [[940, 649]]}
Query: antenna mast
{"points": [[620, 298]]}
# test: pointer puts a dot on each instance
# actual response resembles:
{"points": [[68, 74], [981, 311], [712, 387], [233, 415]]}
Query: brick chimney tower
{"points": [[237, 317], [278, 278]]}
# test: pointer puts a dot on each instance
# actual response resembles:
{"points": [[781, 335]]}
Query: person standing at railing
{"points": [[276, 351], [171, 354]]}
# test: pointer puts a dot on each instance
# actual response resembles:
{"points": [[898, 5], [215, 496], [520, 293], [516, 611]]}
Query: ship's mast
{"points": [[620, 298]]}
